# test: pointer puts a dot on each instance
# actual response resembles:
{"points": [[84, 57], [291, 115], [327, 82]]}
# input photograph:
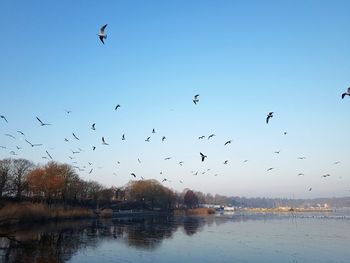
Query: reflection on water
{"points": [[200, 237]]}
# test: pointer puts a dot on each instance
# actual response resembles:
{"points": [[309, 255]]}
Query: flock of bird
{"points": [[196, 99]]}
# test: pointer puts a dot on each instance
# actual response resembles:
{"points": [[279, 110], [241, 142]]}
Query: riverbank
{"points": [[193, 212], [286, 210], [26, 212]]}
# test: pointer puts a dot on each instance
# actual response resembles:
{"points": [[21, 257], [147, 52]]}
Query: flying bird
{"points": [[66, 140], [346, 93], [227, 142], [195, 99], [325, 175], [49, 155], [10, 135], [310, 189], [93, 127], [278, 151], [75, 152], [42, 123], [164, 180], [103, 141], [245, 161], [138, 160], [147, 140], [226, 162], [271, 168], [285, 133], [33, 145], [116, 107], [201, 137], [203, 156], [91, 170], [302, 158], [20, 132], [18, 148], [123, 137], [153, 131], [270, 115], [163, 138], [68, 111], [167, 158], [93, 148], [211, 136], [133, 175], [4, 118], [181, 163], [102, 34], [75, 136], [300, 174]]}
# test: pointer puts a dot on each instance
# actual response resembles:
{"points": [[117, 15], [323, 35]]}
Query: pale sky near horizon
{"points": [[244, 58]]}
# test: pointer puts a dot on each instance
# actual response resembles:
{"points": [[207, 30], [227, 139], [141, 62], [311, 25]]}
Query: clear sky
{"points": [[244, 58]]}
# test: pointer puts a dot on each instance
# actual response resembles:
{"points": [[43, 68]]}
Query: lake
{"points": [[237, 237]]}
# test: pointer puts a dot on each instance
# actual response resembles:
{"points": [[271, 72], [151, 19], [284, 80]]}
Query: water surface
{"points": [[234, 237]]}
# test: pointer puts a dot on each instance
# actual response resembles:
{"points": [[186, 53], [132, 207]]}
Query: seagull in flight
{"points": [[211, 135], [164, 180], [93, 148], [195, 99], [226, 162], [147, 140], [10, 135], [201, 137], [278, 151], [68, 111], [153, 131], [93, 127], [203, 156], [181, 163], [325, 175], [270, 169], [123, 137], [102, 34], [346, 93], [75, 136], [116, 107], [163, 138], [227, 142], [66, 140], [42, 123], [270, 115], [4, 118], [167, 158], [20, 132], [33, 145], [49, 155], [133, 175], [104, 142]]}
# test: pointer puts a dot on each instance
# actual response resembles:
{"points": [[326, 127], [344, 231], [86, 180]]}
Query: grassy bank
{"points": [[26, 212], [195, 211], [286, 210]]}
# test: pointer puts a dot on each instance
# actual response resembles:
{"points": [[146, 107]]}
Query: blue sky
{"points": [[244, 58]]}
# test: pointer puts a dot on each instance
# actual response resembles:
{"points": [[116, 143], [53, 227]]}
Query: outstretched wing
{"points": [[102, 29]]}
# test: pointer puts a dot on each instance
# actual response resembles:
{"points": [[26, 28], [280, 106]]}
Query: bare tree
{"points": [[5, 175], [20, 168]]}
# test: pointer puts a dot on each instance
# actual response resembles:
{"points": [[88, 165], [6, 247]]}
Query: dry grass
{"points": [[28, 212]]}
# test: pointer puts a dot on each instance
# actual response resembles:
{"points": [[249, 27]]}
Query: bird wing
{"points": [[102, 29], [101, 38], [39, 120]]}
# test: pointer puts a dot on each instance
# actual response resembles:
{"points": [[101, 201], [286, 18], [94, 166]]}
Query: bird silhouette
{"points": [[33, 145], [91, 170], [93, 148], [346, 93], [203, 156], [163, 138], [75, 152], [68, 111], [245, 161], [300, 174], [75, 136], [167, 158], [10, 135], [138, 160], [153, 131], [42, 123], [123, 137], [310, 189], [201, 137], [325, 175], [227, 142], [147, 140], [49, 155], [270, 115], [20, 132], [195, 99], [102, 34], [285, 133], [66, 140], [271, 168], [93, 127], [104, 142], [278, 151], [211, 136], [133, 175], [116, 107], [181, 163], [226, 162], [4, 118]]}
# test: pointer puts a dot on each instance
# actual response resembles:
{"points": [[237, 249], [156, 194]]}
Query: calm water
{"points": [[220, 238]]}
